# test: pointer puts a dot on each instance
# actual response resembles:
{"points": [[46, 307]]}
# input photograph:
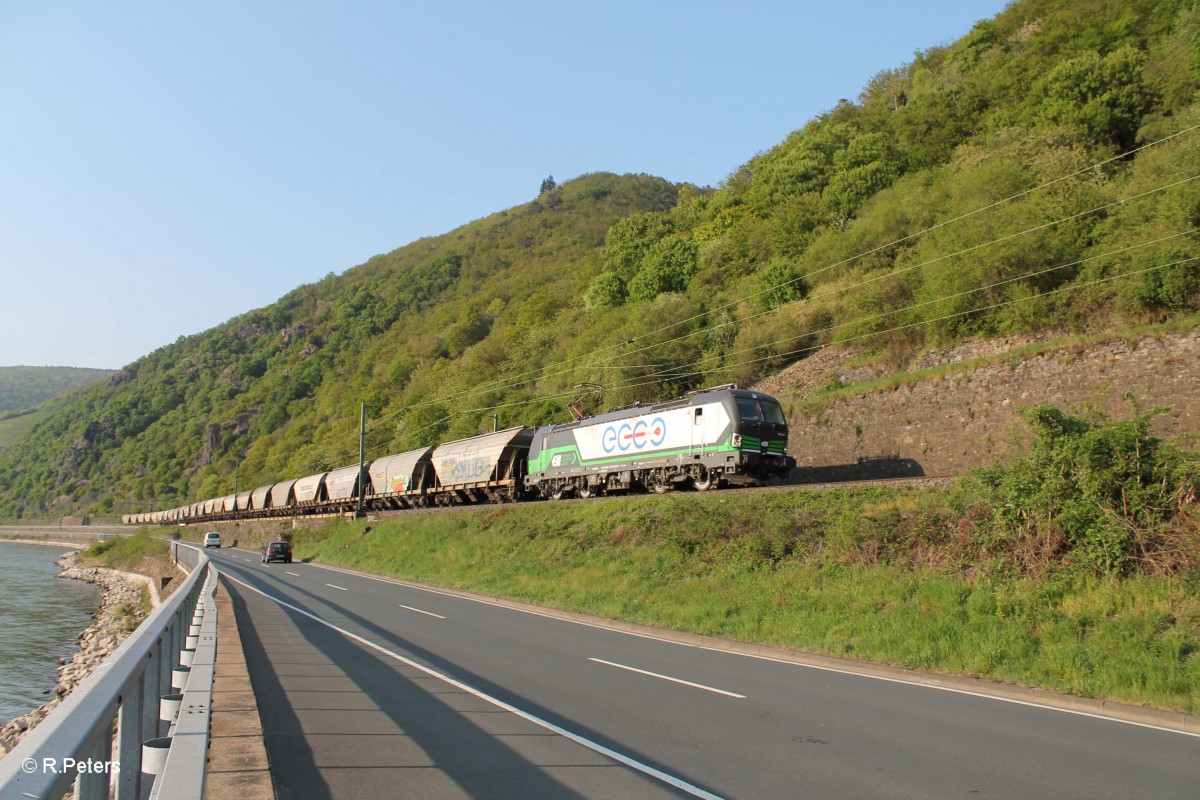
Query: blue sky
{"points": [[165, 166]]}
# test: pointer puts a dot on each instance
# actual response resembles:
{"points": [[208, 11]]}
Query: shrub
{"points": [[1117, 497]]}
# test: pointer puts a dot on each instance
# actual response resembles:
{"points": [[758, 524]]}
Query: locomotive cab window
{"points": [[773, 412], [699, 416], [748, 409]]}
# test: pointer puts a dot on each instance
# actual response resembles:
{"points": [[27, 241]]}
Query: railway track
{"points": [[923, 481]]}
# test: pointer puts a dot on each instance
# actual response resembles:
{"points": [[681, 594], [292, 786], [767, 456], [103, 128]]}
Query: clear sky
{"points": [[167, 165]]}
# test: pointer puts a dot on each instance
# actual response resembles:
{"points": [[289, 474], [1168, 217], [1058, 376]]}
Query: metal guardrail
{"points": [[60, 534], [106, 738]]}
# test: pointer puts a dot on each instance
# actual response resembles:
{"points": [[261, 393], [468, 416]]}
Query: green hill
{"points": [[22, 389], [1041, 172], [25, 387]]}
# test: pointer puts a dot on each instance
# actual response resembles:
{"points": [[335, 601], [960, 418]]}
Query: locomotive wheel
{"points": [[557, 493], [586, 491], [704, 481], [660, 485]]}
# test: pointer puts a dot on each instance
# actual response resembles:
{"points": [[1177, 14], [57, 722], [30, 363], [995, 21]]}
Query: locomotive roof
{"points": [[693, 399]]}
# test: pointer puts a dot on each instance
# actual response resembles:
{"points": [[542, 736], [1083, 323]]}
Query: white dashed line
{"points": [[419, 611], [646, 769], [668, 678]]}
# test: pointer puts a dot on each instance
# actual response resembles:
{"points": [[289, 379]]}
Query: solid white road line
{"points": [[419, 611], [934, 684], [668, 678], [925, 684], [334, 586], [646, 769], [297, 574]]}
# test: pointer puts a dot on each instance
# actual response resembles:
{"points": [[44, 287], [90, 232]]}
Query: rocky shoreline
{"points": [[121, 611]]}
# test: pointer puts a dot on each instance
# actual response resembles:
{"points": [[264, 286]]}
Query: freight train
{"points": [[707, 439]]}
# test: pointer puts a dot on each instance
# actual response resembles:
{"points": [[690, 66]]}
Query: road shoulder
{"points": [[237, 766]]}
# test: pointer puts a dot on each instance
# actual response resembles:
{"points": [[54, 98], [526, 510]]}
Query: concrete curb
{"points": [[1107, 709], [237, 767]]}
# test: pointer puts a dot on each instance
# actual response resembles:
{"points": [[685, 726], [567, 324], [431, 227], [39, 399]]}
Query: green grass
{"points": [[127, 552], [13, 428], [851, 573]]}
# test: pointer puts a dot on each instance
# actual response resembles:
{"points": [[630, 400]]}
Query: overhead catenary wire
{"points": [[654, 379], [543, 375], [323, 445], [541, 372], [642, 380], [861, 284]]}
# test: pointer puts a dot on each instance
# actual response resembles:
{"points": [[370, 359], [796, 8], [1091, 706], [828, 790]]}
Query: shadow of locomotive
{"points": [[865, 469]]}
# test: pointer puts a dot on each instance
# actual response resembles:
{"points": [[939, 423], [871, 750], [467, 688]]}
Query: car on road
{"points": [[212, 539], [277, 551]]}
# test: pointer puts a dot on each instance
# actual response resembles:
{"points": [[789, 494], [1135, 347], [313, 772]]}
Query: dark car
{"points": [[277, 551]]}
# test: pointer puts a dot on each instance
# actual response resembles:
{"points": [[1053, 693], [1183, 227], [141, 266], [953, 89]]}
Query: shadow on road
{"points": [[341, 720]]}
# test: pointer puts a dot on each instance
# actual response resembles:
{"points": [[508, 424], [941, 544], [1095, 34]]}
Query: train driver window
{"points": [[699, 416]]}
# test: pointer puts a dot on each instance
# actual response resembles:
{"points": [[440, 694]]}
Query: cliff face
{"points": [[958, 419]]}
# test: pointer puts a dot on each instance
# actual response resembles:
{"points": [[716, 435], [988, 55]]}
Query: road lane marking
{"points": [[419, 611], [334, 586], [645, 769], [297, 574], [933, 684], [929, 683], [668, 678], [923, 684], [483, 601]]}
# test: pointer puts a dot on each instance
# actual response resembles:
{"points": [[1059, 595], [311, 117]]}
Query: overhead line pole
{"points": [[362, 455]]}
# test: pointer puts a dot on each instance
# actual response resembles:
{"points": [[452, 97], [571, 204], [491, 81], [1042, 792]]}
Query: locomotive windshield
{"points": [[773, 412], [752, 410]]}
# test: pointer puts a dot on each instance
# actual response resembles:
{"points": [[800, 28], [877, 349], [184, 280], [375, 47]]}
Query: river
{"points": [[41, 616]]}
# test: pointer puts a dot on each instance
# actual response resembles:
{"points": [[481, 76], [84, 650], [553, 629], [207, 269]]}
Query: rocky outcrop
{"points": [[965, 413]]}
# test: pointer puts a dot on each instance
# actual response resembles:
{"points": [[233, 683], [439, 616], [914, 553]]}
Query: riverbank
{"points": [[126, 601]]}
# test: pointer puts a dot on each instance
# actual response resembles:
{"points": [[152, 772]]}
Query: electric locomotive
{"points": [[711, 437]]}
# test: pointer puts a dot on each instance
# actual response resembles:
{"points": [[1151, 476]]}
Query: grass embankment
{"points": [[881, 574], [142, 553]]}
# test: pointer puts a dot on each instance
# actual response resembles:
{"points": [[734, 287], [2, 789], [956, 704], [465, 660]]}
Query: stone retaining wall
{"points": [[950, 423]]}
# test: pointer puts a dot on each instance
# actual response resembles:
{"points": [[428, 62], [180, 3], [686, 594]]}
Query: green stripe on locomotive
{"points": [[570, 462]]}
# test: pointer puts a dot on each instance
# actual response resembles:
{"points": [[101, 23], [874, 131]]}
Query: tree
{"points": [[607, 291], [548, 185], [629, 240], [869, 163], [780, 282], [470, 328], [667, 267], [1105, 97], [424, 426]]}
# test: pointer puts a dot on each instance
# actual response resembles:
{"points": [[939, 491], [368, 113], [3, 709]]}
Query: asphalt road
{"points": [[372, 688]]}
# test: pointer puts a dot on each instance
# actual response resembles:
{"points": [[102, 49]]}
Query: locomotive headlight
{"points": [[737, 440]]}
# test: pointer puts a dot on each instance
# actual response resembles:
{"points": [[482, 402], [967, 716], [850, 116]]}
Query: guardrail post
{"points": [[129, 739], [151, 688], [92, 783]]}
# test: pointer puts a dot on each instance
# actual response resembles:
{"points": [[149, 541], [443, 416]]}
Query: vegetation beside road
{"points": [[145, 553], [1074, 568]]}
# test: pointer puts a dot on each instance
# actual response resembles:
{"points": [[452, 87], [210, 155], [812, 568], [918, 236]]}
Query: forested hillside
{"points": [[25, 387], [1041, 172]]}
